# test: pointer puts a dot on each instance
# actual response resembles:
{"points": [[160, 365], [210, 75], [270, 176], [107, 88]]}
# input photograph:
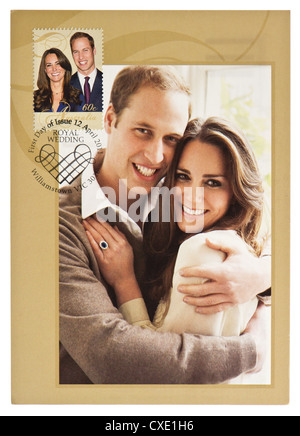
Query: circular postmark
{"points": [[61, 150]]}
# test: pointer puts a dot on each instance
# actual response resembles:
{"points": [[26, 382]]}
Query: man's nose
{"points": [[154, 151]]}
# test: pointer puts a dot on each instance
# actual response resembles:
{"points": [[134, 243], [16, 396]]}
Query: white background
{"points": [[293, 409]]}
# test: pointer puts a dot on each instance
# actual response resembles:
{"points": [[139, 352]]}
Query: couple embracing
{"points": [[176, 301]]}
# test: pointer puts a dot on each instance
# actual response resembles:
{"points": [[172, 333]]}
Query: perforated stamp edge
{"points": [[63, 132]]}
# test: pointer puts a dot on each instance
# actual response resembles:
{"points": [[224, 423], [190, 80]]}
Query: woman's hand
{"points": [[116, 263]]}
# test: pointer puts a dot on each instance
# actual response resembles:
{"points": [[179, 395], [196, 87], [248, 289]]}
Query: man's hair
{"points": [[82, 35], [132, 78]]}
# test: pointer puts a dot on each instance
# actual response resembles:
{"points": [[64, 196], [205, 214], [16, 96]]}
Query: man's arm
{"points": [[258, 327], [241, 277], [109, 350]]}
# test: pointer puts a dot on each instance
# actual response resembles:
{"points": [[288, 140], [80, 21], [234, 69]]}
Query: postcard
{"points": [[150, 207]]}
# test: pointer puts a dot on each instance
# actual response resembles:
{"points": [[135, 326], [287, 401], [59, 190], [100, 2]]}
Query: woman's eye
{"points": [[213, 183], [182, 177]]}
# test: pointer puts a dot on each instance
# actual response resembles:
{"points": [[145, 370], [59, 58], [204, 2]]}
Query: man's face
{"points": [[83, 55], [142, 141]]}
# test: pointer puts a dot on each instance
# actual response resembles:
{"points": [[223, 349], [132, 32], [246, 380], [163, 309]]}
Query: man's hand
{"points": [[235, 281], [257, 328]]}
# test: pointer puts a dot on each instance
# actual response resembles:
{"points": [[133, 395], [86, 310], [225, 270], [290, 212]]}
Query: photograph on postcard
{"points": [[178, 195]]}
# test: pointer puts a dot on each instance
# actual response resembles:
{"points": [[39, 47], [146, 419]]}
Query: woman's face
{"points": [[53, 68], [203, 170]]}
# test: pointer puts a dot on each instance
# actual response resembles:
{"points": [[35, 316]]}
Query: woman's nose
{"points": [[194, 194]]}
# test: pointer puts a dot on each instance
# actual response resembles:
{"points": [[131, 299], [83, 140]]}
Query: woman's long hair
{"points": [[43, 95], [162, 239]]}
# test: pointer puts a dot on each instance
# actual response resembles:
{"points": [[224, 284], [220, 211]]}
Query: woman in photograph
{"points": [[54, 93], [215, 156]]}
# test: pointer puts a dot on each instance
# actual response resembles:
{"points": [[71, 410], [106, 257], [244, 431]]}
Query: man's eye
{"points": [[172, 140], [143, 131]]}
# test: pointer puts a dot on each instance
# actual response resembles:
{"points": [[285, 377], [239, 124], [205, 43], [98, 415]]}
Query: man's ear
{"points": [[109, 119]]}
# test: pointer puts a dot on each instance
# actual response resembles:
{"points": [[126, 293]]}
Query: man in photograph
{"points": [[88, 79]]}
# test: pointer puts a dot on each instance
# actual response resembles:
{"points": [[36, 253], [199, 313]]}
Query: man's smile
{"points": [[145, 171]]}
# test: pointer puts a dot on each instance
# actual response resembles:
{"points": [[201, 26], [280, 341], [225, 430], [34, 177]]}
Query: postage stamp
{"points": [[62, 60], [67, 103]]}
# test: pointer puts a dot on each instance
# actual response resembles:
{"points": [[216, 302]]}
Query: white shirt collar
{"points": [[94, 200], [92, 77]]}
